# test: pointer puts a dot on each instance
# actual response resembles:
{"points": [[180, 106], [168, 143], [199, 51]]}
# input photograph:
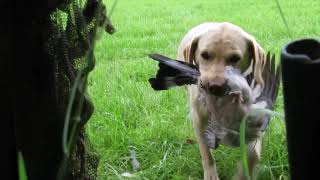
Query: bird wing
{"points": [[173, 73], [271, 77], [268, 94]]}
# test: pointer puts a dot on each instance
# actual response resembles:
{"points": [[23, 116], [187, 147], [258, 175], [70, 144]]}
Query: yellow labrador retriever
{"points": [[212, 47]]}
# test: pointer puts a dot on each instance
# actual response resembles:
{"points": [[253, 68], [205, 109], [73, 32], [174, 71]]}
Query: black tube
{"points": [[300, 63]]}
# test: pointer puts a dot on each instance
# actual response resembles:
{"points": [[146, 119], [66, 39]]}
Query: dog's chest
{"points": [[224, 122], [227, 114]]}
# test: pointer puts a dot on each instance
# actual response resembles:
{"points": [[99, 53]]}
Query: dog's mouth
{"points": [[217, 91]]}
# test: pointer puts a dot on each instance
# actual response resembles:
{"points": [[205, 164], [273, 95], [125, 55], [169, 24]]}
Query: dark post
{"points": [[300, 62]]}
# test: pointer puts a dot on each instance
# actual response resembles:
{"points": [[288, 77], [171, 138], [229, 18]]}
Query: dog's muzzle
{"points": [[216, 88]]}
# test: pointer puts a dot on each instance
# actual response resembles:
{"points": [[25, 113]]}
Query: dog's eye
{"points": [[205, 55], [234, 59]]}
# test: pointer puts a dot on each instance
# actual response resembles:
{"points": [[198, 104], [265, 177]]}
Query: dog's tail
{"points": [[173, 73]]}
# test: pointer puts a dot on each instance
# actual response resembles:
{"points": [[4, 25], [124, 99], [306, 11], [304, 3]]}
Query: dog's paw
{"points": [[239, 177], [210, 174]]}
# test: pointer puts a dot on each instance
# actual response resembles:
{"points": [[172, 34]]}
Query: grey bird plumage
{"points": [[227, 112]]}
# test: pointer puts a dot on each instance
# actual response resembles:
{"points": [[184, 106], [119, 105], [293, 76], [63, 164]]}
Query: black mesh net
{"points": [[69, 36]]}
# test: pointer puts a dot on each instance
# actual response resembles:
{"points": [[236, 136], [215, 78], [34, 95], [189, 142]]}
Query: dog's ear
{"points": [[190, 51], [257, 57]]}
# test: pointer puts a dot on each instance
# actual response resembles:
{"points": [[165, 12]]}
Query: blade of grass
{"points": [[283, 18], [21, 167], [112, 8], [68, 114], [243, 149], [262, 111]]}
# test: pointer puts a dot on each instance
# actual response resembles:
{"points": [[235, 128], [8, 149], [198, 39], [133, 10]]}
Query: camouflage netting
{"points": [[69, 37]]}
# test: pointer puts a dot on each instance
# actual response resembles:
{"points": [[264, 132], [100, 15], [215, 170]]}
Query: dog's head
{"points": [[220, 46]]}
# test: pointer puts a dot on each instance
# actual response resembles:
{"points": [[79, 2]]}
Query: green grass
{"points": [[129, 115]]}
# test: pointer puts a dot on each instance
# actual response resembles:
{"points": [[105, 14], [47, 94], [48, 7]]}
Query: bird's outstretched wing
{"points": [[173, 73], [269, 93], [271, 77]]}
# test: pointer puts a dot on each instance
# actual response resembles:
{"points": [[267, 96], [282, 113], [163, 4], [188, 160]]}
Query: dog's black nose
{"points": [[218, 88]]}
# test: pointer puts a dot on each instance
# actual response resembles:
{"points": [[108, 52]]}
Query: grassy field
{"points": [[129, 115]]}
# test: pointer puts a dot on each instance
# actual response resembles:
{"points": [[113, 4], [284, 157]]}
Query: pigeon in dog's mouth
{"points": [[226, 112], [236, 103]]}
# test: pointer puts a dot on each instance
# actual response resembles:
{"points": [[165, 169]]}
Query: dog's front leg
{"points": [[208, 162], [253, 158]]}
